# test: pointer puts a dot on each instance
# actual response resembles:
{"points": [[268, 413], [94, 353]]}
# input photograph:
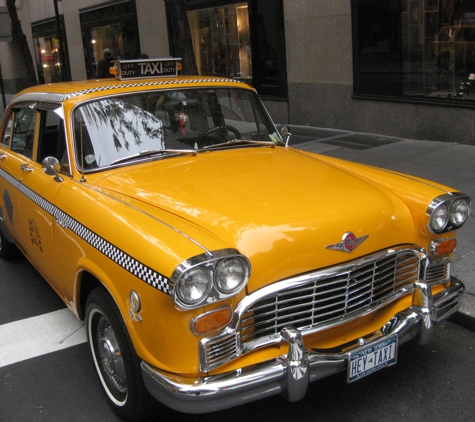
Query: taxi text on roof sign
{"points": [[148, 68]]}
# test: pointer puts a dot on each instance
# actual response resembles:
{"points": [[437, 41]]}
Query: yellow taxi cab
{"points": [[213, 264]]}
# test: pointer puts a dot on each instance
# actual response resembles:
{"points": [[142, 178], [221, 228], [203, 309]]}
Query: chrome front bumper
{"points": [[290, 375]]}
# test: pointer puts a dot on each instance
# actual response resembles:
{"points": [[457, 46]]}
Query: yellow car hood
{"points": [[277, 206]]}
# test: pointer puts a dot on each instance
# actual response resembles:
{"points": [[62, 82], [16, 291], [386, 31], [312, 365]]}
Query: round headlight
{"points": [[459, 211], [193, 286], [230, 275], [439, 218]]}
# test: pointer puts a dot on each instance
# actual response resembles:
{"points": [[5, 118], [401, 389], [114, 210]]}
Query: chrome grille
{"points": [[324, 299], [218, 351], [315, 301], [438, 272]]}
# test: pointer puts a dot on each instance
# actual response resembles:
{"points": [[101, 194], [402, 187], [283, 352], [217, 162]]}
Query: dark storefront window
{"points": [[241, 40], [51, 67], [415, 48], [112, 27]]}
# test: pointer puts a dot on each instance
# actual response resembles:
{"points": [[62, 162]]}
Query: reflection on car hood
{"points": [[278, 206]]}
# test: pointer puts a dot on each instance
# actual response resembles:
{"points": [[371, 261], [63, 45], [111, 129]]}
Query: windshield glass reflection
{"points": [[113, 129]]}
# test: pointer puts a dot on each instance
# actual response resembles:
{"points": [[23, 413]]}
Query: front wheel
{"points": [[115, 360]]}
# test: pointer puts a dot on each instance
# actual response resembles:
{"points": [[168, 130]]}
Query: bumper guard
{"points": [[289, 375]]}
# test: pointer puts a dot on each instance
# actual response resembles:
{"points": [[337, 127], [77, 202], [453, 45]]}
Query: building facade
{"points": [[402, 68]]}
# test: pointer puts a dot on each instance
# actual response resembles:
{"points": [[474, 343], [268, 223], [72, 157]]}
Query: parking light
{"points": [[442, 247], [212, 321]]}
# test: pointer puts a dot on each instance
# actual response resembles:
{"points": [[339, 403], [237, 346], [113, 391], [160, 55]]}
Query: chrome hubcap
{"points": [[111, 357]]}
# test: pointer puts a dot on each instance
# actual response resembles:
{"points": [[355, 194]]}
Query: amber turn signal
{"points": [[212, 321], [441, 247]]}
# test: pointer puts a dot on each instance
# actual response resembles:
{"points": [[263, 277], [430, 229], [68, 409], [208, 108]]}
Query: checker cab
{"points": [[205, 255]]}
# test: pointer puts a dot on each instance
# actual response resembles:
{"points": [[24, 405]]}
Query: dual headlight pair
{"points": [[448, 212], [209, 277]]}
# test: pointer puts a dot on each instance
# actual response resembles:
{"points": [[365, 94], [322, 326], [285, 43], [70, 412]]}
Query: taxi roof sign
{"points": [[146, 68]]}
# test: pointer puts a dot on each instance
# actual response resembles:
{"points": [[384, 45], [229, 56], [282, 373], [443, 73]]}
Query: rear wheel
{"points": [[116, 362], [8, 250]]}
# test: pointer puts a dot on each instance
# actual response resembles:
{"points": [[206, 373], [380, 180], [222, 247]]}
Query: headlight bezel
{"points": [[208, 262], [446, 203]]}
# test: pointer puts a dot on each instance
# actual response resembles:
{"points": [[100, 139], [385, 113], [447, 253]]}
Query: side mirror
{"points": [[51, 166], [284, 132]]}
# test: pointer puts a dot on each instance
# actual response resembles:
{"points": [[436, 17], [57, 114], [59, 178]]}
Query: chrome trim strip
{"points": [[290, 374], [95, 189]]}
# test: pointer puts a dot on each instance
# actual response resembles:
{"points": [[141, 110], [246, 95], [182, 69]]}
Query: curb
{"points": [[465, 316]]}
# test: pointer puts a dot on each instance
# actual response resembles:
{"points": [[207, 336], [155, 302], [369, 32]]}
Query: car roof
{"points": [[63, 91]]}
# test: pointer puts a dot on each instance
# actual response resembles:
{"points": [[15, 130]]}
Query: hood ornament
{"points": [[348, 243]]}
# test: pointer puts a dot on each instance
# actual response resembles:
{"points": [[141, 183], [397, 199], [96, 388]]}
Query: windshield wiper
{"points": [[149, 152], [239, 141]]}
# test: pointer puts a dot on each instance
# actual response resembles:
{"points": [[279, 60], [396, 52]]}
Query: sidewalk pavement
{"points": [[448, 163]]}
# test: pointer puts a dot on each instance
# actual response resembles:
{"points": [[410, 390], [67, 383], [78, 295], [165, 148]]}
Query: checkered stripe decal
{"points": [[138, 269], [40, 96], [121, 258], [156, 83]]}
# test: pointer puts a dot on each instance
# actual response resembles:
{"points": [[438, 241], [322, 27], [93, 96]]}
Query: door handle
{"points": [[3, 156], [25, 168]]}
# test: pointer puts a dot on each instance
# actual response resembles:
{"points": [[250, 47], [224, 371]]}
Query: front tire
{"points": [[8, 250], [117, 365]]}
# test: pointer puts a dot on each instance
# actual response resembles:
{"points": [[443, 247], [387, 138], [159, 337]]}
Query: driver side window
{"points": [[52, 140]]}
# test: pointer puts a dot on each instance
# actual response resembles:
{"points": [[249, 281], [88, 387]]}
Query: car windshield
{"points": [[115, 129]]}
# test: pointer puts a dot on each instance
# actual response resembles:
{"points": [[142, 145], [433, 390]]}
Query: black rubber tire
{"points": [[117, 365], [8, 250]]}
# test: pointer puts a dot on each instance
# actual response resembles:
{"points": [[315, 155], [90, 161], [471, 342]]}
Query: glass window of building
{"points": [[241, 40], [418, 49], [222, 41], [48, 58], [50, 65], [109, 32]]}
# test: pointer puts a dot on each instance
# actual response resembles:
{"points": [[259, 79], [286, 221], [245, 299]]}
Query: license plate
{"points": [[377, 356]]}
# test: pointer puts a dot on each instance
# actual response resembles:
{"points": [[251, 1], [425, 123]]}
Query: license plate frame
{"points": [[366, 360]]}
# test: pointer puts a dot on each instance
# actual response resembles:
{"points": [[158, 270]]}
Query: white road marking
{"points": [[32, 337]]}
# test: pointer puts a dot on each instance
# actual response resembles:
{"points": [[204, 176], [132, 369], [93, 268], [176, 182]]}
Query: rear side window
{"points": [[23, 135], [5, 140]]}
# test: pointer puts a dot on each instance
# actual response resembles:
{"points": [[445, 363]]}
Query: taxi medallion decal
{"points": [[349, 243]]}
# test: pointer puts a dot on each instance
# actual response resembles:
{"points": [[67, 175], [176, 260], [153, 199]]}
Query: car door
{"points": [[29, 193]]}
